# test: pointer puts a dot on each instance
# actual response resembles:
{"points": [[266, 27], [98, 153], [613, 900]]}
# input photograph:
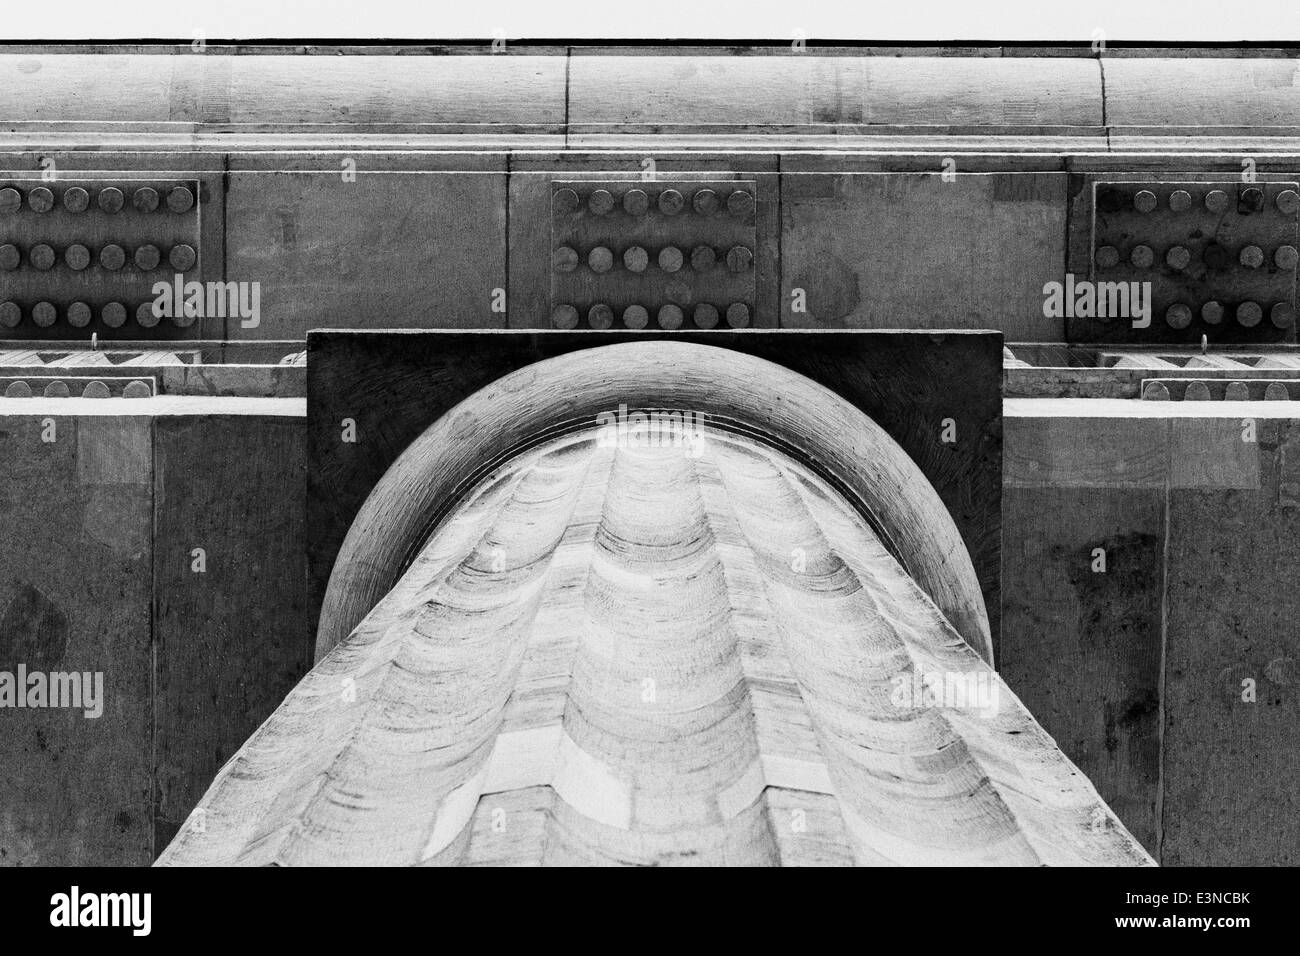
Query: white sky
{"points": [[1187, 21]]}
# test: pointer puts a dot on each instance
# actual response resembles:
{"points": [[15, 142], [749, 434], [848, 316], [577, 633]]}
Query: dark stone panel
{"points": [[1081, 648], [387, 250], [912, 250], [233, 640], [1230, 765], [75, 557]]}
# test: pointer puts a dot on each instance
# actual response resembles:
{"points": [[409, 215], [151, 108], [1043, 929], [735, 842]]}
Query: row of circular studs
{"points": [[79, 314], [1200, 392], [1179, 257], [601, 316], [637, 259], [110, 199], [112, 257], [1217, 201], [1248, 314], [95, 389], [636, 202]]}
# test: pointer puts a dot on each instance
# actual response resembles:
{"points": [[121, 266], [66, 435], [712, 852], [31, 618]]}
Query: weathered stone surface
{"points": [[1231, 764], [389, 249], [1082, 647], [233, 638], [911, 250], [75, 595]]}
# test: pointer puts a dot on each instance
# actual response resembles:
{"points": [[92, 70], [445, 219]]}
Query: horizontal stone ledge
{"points": [[157, 407], [1107, 443]]}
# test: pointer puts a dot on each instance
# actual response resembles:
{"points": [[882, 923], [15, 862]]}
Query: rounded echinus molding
{"points": [[736, 392]]}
